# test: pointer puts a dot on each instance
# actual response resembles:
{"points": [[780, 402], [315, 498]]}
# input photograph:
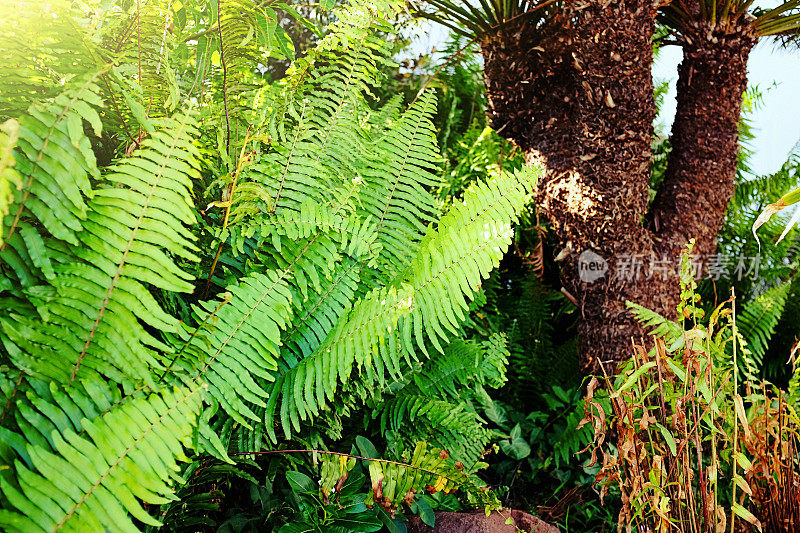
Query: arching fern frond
{"points": [[318, 315], [397, 180], [243, 345], [93, 319], [55, 161], [456, 255], [758, 318], [394, 321], [38, 49], [95, 480], [42, 408], [463, 366], [140, 40]]}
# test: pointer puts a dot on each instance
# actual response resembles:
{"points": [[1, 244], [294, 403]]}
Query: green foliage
{"points": [[134, 221], [451, 417], [323, 276], [9, 177], [468, 19], [96, 477], [396, 482], [782, 20]]}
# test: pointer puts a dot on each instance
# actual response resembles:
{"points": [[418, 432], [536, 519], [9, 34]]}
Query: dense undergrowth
{"points": [[155, 348], [259, 275]]}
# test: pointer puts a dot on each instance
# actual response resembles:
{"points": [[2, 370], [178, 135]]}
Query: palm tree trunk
{"points": [[578, 98], [576, 94], [701, 168]]}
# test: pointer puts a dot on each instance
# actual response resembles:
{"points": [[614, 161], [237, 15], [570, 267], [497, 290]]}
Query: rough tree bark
{"points": [[575, 92], [701, 169]]}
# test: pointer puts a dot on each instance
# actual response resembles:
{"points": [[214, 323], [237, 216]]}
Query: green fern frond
{"points": [[243, 345], [436, 404], [95, 480], [140, 40], [55, 161], [38, 49], [305, 263], [459, 253], [248, 29], [320, 313], [448, 424], [661, 327], [771, 187], [41, 408], [356, 235], [464, 365], [315, 140], [397, 182], [430, 298], [758, 318], [131, 225], [290, 172], [10, 179]]}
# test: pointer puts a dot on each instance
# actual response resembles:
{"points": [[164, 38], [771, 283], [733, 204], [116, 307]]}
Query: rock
{"points": [[478, 522]]}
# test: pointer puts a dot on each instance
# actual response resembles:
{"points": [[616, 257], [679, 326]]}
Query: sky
{"points": [[774, 70]]}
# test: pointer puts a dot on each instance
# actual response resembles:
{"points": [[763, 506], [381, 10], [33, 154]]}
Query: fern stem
{"points": [[224, 82], [239, 166]]}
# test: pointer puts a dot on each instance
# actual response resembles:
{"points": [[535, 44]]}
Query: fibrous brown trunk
{"points": [[576, 94], [701, 169]]}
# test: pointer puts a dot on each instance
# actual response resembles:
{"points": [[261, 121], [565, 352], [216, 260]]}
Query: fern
{"points": [[661, 327], [447, 418], [334, 273], [55, 161], [397, 182], [98, 292], [9, 177], [758, 318], [140, 41], [389, 323], [37, 50], [93, 481]]}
